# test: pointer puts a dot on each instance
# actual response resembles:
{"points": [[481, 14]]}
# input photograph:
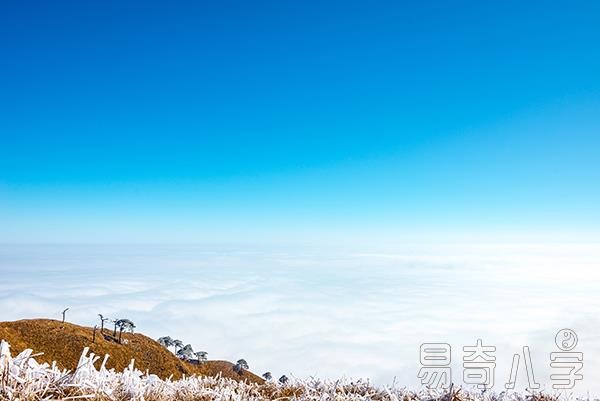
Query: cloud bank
{"points": [[331, 314]]}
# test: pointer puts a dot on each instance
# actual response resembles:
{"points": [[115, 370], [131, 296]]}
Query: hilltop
{"points": [[64, 342]]}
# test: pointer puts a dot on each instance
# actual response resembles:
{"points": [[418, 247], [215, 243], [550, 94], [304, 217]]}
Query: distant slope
{"points": [[63, 343]]}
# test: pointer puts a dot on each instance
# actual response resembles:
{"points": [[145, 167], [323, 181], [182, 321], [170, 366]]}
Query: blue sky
{"points": [[298, 121]]}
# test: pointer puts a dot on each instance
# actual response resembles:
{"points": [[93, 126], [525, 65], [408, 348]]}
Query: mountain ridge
{"points": [[63, 342]]}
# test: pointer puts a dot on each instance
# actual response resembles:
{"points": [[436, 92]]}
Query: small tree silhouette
{"points": [[102, 320], [166, 341], [201, 357], [240, 366], [267, 376], [283, 379], [177, 344], [124, 325], [63, 314], [186, 352]]}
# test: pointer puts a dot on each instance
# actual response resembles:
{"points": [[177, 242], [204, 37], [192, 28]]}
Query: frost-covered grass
{"points": [[22, 378]]}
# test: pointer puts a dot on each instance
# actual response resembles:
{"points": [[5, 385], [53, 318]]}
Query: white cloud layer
{"points": [[351, 313]]}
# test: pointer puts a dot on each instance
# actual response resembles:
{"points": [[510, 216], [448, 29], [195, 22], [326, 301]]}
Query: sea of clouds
{"points": [[302, 311]]}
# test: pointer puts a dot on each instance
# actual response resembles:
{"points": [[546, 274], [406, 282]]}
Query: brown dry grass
{"points": [[63, 343]]}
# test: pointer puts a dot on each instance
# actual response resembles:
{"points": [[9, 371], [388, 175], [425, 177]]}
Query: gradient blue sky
{"points": [[299, 121]]}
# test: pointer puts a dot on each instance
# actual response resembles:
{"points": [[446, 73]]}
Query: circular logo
{"points": [[566, 339]]}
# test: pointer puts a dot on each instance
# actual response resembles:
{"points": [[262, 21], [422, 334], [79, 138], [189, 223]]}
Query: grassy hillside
{"points": [[63, 343]]}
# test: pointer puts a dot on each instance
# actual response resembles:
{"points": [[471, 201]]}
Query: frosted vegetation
{"points": [[22, 378]]}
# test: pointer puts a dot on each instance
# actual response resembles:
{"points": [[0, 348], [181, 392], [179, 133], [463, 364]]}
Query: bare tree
{"points": [[102, 320], [63, 314], [267, 376]]}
